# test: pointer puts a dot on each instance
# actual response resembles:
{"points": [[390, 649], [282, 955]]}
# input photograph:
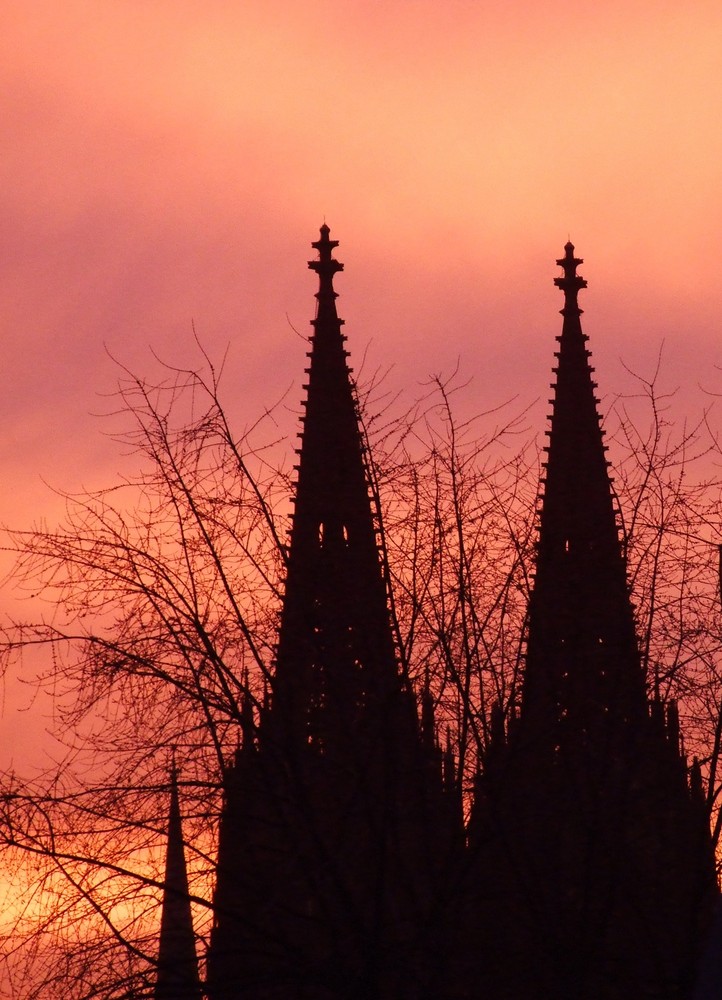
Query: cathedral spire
{"points": [[582, 661], [335, 650], [336, 827], [177, 960], [592, 856]]}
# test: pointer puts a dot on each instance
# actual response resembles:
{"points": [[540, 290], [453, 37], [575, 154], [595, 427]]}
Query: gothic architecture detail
{"points": [[332, 838], [344, 868], [589, 838]]}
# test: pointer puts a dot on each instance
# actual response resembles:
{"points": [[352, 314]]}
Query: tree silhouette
{"points": [[164, 593]]}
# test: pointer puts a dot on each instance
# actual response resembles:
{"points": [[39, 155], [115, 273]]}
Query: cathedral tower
{"points": [[331, 839], [596, 858]]}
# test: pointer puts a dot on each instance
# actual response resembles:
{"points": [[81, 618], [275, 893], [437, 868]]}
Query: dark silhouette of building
{"points": [[177, 960], [344, 869], [593, 861], [336, 825]]}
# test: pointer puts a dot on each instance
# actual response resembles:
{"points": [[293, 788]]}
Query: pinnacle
{"points": [[571, 282], [326, 265]]}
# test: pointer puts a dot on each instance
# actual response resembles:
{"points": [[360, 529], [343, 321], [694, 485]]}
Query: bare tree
{"points": [[164, 591], [163, 594], [670, 507], [458, 505]]}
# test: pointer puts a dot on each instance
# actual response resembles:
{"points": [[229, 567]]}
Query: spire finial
{"points": [[572, 282], [326, 266]]}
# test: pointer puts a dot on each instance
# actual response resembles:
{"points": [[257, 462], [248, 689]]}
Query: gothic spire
{"points": [[335, 651], [177, 961], [582, 659], [592, 861], [335, 827]]}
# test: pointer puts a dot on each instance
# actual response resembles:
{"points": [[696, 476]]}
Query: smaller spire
{"points": [[497, 726], [673, 728], [696, 783], [572, 282], [248, 726], [177, 960], [428, 720], [449, 763]]}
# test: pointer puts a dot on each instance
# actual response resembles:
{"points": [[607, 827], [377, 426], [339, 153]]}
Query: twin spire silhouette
{"points": [[345, 869]]}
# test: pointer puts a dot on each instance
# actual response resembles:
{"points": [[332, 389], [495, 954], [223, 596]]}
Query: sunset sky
{"points": [[167, 162]]}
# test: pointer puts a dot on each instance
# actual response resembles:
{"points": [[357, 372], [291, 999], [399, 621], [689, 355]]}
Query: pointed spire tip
{"points": [[326, 265], [571, 282]]}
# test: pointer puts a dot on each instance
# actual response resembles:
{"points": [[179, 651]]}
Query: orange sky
{"points": [[170, 161]]}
